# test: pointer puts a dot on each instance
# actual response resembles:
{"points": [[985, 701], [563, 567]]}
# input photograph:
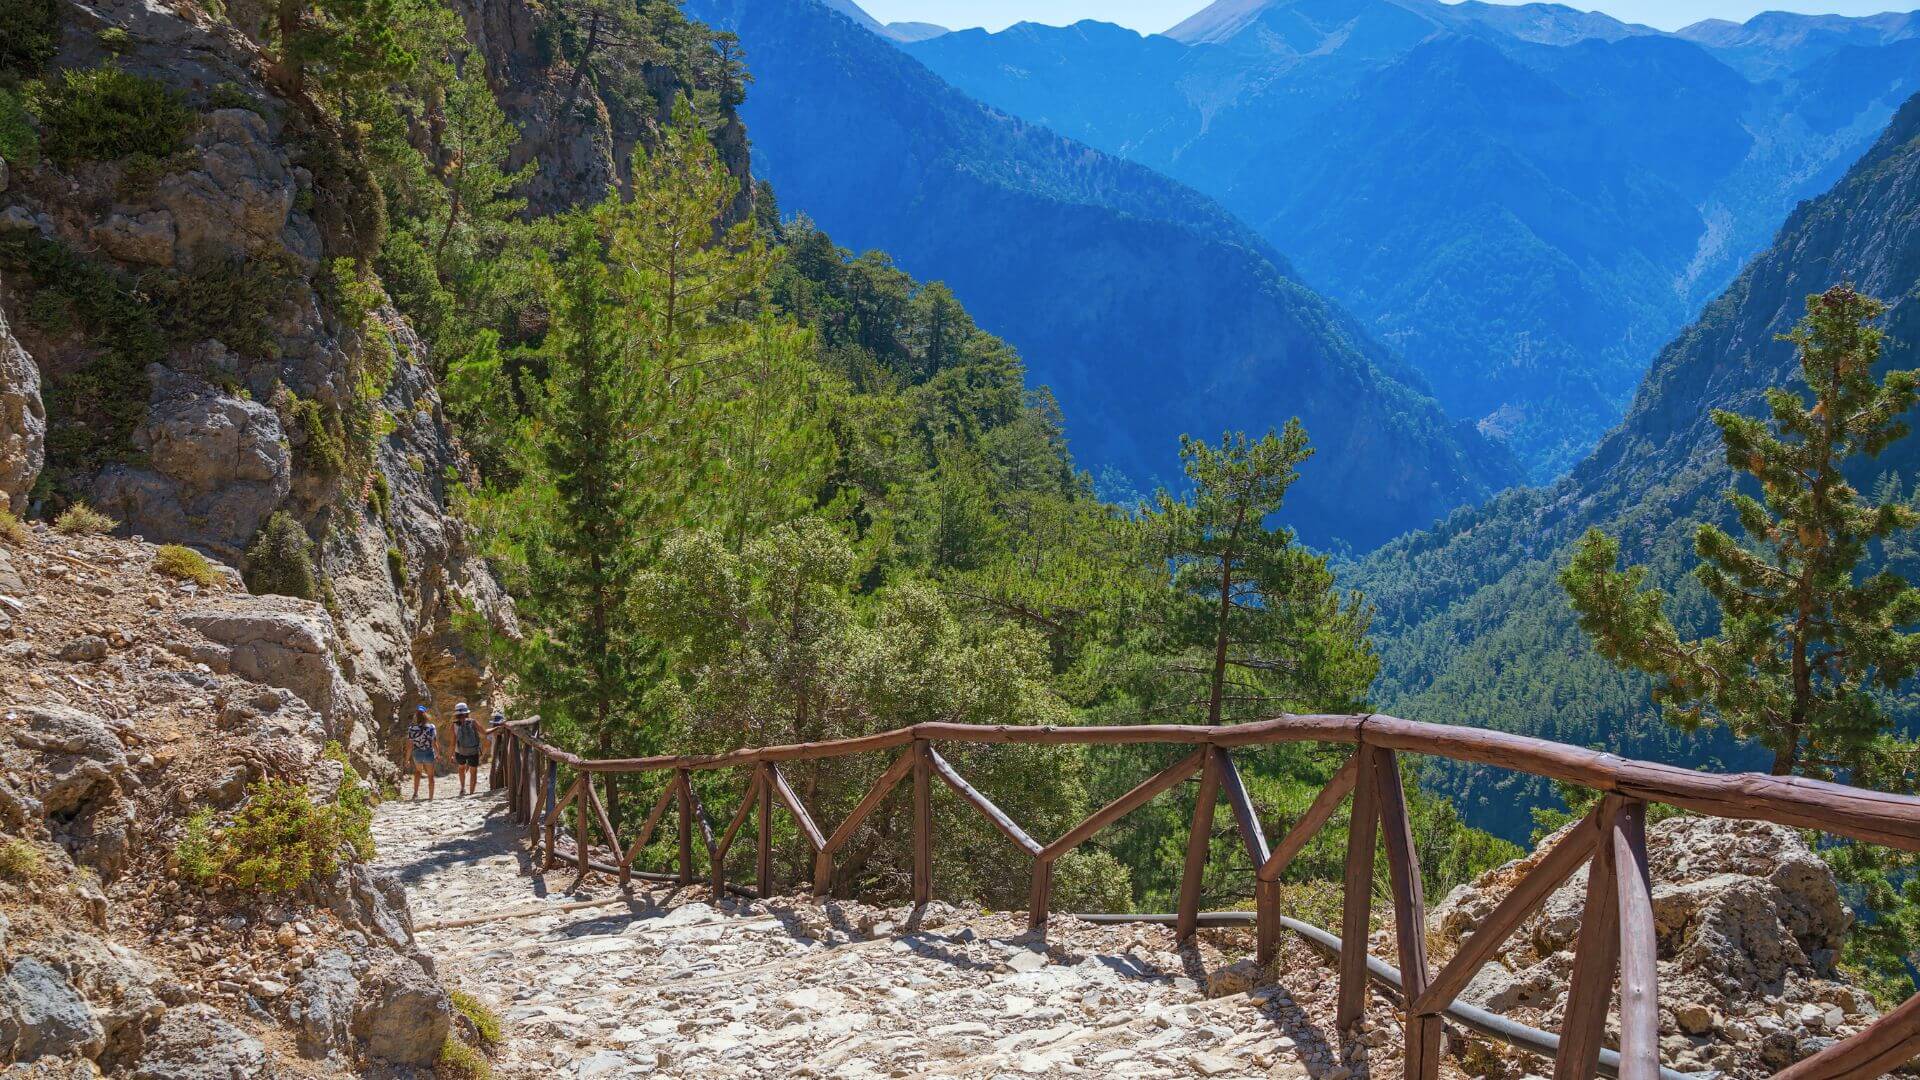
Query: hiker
{"points": [[466, 749], [421, 738]]}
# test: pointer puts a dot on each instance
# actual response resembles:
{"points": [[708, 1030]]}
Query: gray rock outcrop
{"points": [[198, 1043], [1749, 919], [23, 422]]}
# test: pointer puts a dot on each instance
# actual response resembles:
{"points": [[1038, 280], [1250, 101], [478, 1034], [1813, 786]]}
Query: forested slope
{"points": [[1472, 625], [1147, 309]]}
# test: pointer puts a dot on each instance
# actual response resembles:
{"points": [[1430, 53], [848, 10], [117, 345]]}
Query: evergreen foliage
{"points": [[105, 113], [280, 559]]}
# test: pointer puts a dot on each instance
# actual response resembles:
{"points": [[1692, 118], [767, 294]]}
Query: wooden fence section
{"points": [[1616, 944]]}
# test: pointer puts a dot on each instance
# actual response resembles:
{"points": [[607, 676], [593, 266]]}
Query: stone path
{"points": [[661, 983]]}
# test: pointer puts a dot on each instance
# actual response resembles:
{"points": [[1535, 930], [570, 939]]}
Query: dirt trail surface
{"points": [[661, 983]]}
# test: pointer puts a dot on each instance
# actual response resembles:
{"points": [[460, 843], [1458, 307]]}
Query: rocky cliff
{"points": [[137, 708], [185, 319]]}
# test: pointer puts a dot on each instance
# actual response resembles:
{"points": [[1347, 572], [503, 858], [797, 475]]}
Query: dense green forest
{"points": [[748, 486]]}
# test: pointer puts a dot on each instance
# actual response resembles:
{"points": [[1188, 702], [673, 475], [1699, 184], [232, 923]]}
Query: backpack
{"points": [[466, 736]]}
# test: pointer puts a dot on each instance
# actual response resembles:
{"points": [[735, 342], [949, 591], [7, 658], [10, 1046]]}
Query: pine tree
{"points": [[1253, 617], [1806, 644]]}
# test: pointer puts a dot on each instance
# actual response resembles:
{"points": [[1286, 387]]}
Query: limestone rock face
{"points": [[1749, 921], [23, 422], [198, 1043], [41, 1014], [239, 197], [75, 766], [219, 466], [283, 642], [404, 1016]]}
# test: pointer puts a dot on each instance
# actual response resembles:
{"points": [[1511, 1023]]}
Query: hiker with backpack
{"points": [[422, 739], [466, 749]]}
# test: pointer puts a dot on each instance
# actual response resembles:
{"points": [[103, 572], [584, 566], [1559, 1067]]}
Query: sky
{"points": [[1152, 16]]}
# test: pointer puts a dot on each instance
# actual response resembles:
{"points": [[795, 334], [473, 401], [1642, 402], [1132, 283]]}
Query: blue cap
{"points": [[419, 708]]}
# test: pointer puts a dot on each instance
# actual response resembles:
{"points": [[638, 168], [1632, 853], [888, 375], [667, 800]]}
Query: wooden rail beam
{"points": [[994, 815], [1266, 885], [719, 859], [1878, 1049], [667, 792], [795, 807], [884, 785], [1125, 804], [1244, 817], [1548, 874]]}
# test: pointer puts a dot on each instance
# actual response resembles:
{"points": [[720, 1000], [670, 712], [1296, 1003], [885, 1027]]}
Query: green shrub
{"points": [[230, 96], [21, 862], [458, 1061], [83, 520], [355, 800], [231, 301], [381, 500], [13, 530], [280, 560], [186, 564], [104, 114], [19, 143], [279, 840], [486, 1024], [115, 39], [397, 566], [194, 856], [29, 36]]}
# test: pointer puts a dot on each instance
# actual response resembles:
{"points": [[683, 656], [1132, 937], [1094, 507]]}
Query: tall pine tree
{"points": [[1805, 641]]}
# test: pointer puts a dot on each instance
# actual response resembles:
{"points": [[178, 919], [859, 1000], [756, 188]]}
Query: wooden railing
{"points": [[1616, 935]]}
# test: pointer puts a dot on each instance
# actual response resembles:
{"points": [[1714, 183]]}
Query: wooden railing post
{"points": [[922, 823], [1199, 842], [1639, 945], [1040, 893], [1596, 952], [763, 861], [1357, 918], [684, 786], [1409, 915]]}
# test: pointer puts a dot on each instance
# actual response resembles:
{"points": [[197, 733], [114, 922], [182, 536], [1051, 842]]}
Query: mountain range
{"points": [[1149, 309], [1523, 201], [1472, 625]]}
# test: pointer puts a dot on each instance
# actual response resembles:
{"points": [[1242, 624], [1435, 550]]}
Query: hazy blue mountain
{"points": [[914, 31], [1525, 202], [1148, 309], [1472, 625]]}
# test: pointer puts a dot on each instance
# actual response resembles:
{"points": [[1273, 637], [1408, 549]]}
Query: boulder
{"points": [[23, 422], [322, 1004], [217, 466], [404, 1016], [236, 203], [197, 1043], [42, 1015], [145, 238], [287, 643], [81, 757]]}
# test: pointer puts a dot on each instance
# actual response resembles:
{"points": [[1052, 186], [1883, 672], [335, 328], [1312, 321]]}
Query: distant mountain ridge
{"points": [[1147, 308], [1541, 199], [1472, 625]]}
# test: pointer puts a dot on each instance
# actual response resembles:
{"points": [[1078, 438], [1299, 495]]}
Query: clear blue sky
{"points": [[1154, 15]]}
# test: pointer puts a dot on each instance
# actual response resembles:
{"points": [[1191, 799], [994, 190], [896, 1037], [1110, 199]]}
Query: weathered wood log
{"points": [[763, 850], [1244, 817], [1639, 970], [1596, 953], [1318, 813], [998, 818], [1199, 843], [1357, 916], [795, 807], [684, 791], [747, 800], [600, 815], [882, 787], [667, 792], [1409, 914], [922, 823], [1040, 893], [581, 840], [1125, 804], [1551, 872]]}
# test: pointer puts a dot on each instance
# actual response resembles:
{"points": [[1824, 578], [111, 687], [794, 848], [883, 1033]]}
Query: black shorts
{"points": [[471, 761]]}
